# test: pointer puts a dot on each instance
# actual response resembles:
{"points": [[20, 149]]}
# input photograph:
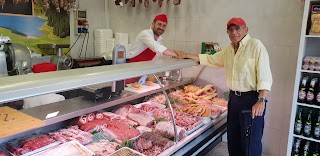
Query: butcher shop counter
{"points": [[60, 113], [72, 108]]}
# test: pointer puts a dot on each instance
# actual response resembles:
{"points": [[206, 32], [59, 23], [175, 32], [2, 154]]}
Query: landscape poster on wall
{"points": [[27, 23]]}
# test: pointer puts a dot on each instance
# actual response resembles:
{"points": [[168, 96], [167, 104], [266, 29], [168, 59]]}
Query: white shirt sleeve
{"points": [[144, 40], [154, 45]]}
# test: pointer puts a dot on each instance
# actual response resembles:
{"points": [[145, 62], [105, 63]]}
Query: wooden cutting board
{"points": [[13, 122], [143, 89]]}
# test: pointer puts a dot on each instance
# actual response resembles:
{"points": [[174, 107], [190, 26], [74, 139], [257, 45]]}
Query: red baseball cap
{"points": [[236, 21], [161, 17]]}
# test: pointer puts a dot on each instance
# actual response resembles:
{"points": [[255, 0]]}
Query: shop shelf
{"points": [[310, 71], [313, 36], [305, 138], [308, 105]]}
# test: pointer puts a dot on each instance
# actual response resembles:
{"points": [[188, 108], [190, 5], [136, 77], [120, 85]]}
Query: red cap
{"points": [[44, 67], [161, 17], [236, 21]]}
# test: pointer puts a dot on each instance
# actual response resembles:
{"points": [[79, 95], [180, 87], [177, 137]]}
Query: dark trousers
{"points": [[238, 123]]}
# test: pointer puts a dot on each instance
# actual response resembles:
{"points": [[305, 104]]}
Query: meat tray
{"points": [[125, 151], [67, 149], [216, 116], [15, 144], [160, 106], [41, 149], [205, 120]]}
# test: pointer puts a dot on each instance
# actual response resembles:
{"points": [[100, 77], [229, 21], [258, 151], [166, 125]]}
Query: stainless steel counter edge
{"points": [[75, 107], [18, 87], [193, 135]]}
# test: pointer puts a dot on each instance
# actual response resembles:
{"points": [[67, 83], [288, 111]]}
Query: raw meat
{"points": [[82, 120], [152, 144], [182, 119], [72, 133], [122, 130], [206, 89], [112, 116], [167, 127], [142, 144], [142, 119], [220, 102], [157, 140], [148, 108], [123, 111], [103, 147], [142, 129], [94, 125], [161, 99], [31, 144]]}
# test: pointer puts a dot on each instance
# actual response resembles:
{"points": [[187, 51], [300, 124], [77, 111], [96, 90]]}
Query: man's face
{"points": [[159, 27], [236, 33]]}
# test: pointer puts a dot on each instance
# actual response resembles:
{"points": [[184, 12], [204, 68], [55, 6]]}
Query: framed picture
{"points": [[21, 8]]}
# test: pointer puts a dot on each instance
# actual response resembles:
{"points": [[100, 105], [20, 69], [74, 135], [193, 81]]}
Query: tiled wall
{"points": [[276, 23]]}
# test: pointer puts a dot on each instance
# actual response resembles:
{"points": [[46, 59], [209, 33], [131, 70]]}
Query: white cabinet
{"points": [[309, 46]]}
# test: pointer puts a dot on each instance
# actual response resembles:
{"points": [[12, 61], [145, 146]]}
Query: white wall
{"points": [[97, 19], [276, 23]]}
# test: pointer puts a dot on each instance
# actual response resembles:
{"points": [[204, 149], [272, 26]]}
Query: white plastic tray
{"points": [[67, 149], [125, 151], [195, 128]]}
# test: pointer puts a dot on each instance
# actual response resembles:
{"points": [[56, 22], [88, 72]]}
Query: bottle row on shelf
{"points": [[305, 148], [309, 89], [311, 63], [307, 125]]}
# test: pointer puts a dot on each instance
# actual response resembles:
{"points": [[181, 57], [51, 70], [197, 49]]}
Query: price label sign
{"points": [[13, 122]]}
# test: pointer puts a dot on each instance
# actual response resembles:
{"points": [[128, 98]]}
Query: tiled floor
{"points": [[222, 150]]}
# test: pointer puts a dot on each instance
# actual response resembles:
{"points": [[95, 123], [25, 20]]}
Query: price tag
{"points": [[50, 115], [13, 122]]}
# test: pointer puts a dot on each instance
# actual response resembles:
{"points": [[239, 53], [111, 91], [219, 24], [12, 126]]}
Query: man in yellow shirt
{"points": [[249, 78]]}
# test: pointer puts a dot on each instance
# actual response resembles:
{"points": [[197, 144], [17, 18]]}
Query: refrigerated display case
{"points": [[19, 87]]}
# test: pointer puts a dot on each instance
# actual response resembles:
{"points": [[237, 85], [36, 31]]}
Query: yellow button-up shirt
{"points": [[246, 70]]}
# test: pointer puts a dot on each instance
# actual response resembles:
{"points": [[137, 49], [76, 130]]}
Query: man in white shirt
{"points": [[148, 43]]}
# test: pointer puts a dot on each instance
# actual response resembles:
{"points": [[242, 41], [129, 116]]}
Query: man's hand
{"points": [[180, 54], [257, 109]]}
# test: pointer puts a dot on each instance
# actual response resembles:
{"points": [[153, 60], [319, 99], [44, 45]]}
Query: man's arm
{"points": [[182, 55], [258, 108], [264, 78], [215, 60], [156, 46], [169, 52]]}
